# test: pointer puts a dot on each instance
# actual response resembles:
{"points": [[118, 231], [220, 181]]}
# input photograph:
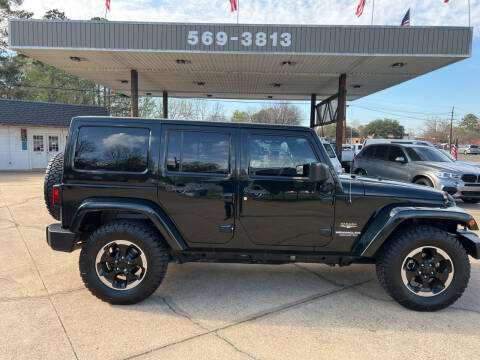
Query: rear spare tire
{"points": [[53, 176]]}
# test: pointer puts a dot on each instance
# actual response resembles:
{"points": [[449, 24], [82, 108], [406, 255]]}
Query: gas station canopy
{"points": [[242, 61]]}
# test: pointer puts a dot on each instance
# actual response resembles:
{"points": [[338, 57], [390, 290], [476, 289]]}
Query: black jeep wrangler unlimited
{"points": [[135, 194]]}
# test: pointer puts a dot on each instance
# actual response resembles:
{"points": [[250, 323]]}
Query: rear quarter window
{"points": [[116, 149]]}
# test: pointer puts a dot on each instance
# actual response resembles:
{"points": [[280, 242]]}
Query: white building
{"points": [[31, 133]]}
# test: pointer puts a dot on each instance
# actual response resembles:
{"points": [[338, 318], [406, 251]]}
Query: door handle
{"points": [[226, 228]]}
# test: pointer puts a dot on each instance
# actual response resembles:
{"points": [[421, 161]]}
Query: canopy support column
{"points": [[342, 110], [134, 93], [313, 110], [165, 104]]}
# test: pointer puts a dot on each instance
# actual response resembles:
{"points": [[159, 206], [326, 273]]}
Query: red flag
{"points": [[233, 5], [360, 7], [107, 4]]}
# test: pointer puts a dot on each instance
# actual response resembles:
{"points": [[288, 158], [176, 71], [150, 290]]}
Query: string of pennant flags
{"points": [[235, 6]]}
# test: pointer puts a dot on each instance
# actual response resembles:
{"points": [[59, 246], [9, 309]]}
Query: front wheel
{"points": [[423, 268], [123, 262], [424, 181]]}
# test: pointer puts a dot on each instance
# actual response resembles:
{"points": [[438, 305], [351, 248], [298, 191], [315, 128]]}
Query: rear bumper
{"points": [[471, 242], [60, 239]]}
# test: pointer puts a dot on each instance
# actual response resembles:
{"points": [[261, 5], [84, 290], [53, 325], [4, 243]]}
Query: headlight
{"points": [[448, 175]]}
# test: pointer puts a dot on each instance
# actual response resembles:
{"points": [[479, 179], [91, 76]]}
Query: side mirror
{"points": [[400, 159], [318, 172]]}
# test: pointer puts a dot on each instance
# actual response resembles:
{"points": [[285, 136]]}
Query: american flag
{"points": [[233, 5], [360, 7], [406, 19], [455, 149], [107, 4]]}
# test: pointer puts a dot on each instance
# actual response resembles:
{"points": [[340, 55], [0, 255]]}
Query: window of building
{"points": [[52, 143], [112, 149], [274, 155], [37, 142], [198, 152]]}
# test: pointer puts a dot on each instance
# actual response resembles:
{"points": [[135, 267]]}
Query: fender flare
{"points": [[388, 219], [151, 210]]}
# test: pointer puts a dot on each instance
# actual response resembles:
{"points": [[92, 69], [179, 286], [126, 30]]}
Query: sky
{"points": [[431, 95]]}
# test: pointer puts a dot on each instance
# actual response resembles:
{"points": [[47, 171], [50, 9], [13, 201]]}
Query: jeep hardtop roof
{"points": [[129, 120]]}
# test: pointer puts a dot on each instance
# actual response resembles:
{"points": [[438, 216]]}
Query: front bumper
{"points": [[60, 239], [471, 242], [459, 189]]}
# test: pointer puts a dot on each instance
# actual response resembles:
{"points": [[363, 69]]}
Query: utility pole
{"points": [[451, 131]]}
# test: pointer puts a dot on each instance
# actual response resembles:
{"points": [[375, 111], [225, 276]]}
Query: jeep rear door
{"points": [[197, 183], [279, 205]]}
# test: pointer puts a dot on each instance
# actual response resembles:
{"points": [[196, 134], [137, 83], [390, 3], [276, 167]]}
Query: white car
{"points": [[332, 155], [349, 151]]}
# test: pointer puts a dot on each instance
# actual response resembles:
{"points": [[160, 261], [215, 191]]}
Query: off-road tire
{"points": [[470, 200], [393, 253], [53, 176], [139, 233], [424, 181]]}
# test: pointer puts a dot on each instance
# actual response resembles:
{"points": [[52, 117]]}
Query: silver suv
{"points": [[423, 165]]}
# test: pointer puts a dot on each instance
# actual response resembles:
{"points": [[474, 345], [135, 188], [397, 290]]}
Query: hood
{"points": [[394, 189], [450, 166]]}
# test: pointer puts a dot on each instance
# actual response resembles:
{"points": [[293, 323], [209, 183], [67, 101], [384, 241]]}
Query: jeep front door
{"points": [[279, 205]]}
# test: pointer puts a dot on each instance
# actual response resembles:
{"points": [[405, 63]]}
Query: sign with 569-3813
{"points": [[246, 38]]}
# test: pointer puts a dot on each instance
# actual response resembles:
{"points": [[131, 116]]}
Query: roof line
{"points": [[405, 28], [55, 103]]}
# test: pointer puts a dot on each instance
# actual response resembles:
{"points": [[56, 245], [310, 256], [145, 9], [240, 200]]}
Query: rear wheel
{"points": [[53, 176], [424, 181], [423, 268], [123, 262]]}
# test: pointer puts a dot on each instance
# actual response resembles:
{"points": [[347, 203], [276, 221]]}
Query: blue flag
{"points": [[406, 19]]}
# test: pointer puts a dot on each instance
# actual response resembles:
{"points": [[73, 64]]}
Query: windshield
{"points": [[330, 152], [450, 156], [421, 153], [473, 146]]}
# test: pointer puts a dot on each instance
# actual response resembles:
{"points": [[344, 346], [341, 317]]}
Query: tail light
{"points": [[55, 195]]}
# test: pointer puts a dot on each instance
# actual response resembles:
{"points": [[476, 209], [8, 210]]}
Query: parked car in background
{"points": [[332, 155], [419, 164], [349, 151], [469, 149]]}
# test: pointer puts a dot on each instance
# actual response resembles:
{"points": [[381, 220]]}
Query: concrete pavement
{"points": [[209, 311]]}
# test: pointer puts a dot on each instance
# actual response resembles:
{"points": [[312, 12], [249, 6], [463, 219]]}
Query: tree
{"points": [[283, 114], [385, 128], [437, 129], [7, 12], [470, 122], [55, 14], [239, 116]]}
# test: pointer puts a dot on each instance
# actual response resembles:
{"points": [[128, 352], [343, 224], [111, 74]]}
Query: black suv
{"points": [[135, 194]]}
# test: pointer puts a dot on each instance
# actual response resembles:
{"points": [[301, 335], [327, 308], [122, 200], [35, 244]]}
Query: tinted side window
{"points": [[368, 152], [198, 152], [413, 155], [276, 155], [381, 152], [395, 152], [112, 149]]}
